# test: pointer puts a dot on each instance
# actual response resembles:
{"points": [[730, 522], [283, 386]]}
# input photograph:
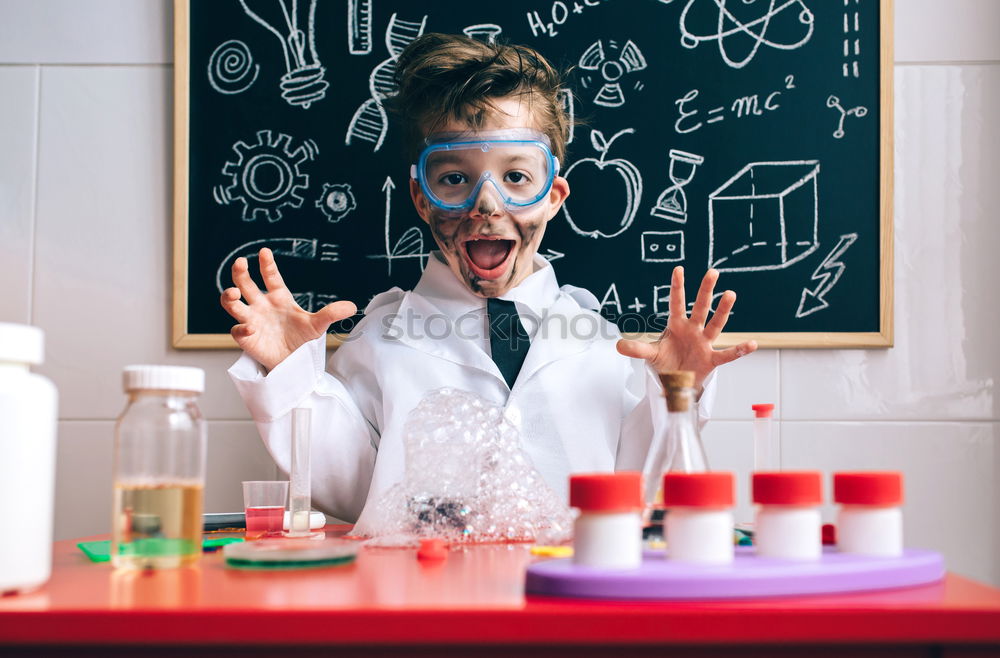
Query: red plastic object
{"points": [[868, 488], [829, 534], [788, 488], [762, 410], [606, 492], [433, 548], [712, 489]]}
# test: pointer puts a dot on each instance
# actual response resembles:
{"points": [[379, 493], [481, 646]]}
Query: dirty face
{"points": [[489, 248]]}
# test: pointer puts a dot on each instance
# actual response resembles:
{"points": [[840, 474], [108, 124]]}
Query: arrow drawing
{"points": [[409, 245], [828, 273], [551, 255]]}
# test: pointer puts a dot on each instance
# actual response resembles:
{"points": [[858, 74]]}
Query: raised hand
{"points": [[272, 326], [686, 343]]}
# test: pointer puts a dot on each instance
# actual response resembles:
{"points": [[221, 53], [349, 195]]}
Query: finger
{"points": [[241, 277], [230, 300], [678, 304], [335, 312], [721, 317], [731, 354], [269, 270], [241, 331], [637, 349], [703, 303]]}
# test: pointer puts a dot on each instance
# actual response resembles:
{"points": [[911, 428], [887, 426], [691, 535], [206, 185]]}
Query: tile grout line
{"points": [[32, 255]]}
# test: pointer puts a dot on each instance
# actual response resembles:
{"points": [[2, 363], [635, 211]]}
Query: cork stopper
{"points": [[677, 385]]}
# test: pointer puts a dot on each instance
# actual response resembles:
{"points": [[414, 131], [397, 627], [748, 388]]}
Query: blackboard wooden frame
{"points": [[183, 339]]}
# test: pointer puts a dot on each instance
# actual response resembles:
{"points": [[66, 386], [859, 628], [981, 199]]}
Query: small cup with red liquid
{"points": [[264, 504]]}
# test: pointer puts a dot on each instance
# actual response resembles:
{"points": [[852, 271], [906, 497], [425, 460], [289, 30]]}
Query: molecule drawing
{"points": [[265, 176]]}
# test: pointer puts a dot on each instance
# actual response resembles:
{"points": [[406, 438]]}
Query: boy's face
{"points": [[489, 248]]}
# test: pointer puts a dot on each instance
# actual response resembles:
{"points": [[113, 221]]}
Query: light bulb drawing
{"points": [[834, 102], [672, 202], [621, 60], [304, 81]]}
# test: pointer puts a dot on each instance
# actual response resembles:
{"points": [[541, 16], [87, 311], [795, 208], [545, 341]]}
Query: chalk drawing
{"points": [[336, 201], [672, 202], [266, 176], [612, 299], [566, 100], [852, 46], [410, 245], [370, 122], [720, 24], [612, 65], [765, 217], [827, 274], [304, 80], [662, 246], [834, 102], [487, 32], [298, 248], [741, 107], [630, 176], [359, 27], [231, 69]]}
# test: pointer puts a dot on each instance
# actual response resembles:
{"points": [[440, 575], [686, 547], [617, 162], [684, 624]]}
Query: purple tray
{"points": [[748, 576]]}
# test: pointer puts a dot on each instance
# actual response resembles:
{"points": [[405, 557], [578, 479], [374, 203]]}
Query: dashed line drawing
{"points": [[726, 25], [834, 102], [662, 246], [266, 176], [487, 32], [852, 51], [336, 201], [629, 174], [827, 274], [409, 245], [765, 217], [566, 100], [359, 27], [231, 69], [370, 122], [612, 65], [672, 202], [304, 80], [300, 248]]}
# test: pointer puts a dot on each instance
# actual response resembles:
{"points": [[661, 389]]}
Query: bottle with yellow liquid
{"points": [[159, 471]]}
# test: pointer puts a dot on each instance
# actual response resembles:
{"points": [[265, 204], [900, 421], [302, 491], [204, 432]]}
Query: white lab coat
{"points": [[580, 406]]}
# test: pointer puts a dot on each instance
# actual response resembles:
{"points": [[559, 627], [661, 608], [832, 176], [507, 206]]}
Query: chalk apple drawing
{"points": [[629, 174]]}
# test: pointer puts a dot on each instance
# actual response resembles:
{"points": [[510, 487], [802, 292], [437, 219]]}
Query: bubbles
{"points": [[466, 479]]}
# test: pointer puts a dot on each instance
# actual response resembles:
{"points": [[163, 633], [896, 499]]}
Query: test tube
{"points": [[766, 454], [299, 499]]}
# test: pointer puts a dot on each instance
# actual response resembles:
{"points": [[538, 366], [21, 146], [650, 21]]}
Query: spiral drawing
{"points": [[231, 69]]}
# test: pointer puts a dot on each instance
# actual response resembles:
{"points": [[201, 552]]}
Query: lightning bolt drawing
{"points": [[828, 273]]}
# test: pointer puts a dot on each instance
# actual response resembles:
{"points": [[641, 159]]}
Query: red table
{"points": [[472, 603]]}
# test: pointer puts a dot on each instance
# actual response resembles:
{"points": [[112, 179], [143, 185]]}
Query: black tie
{"points": [[509, 341]]}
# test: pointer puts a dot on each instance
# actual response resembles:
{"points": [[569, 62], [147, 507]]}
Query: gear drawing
{"points": [[336, 201], [266, 175]]}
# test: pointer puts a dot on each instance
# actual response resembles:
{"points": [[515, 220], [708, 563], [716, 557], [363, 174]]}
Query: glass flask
{"points": [[678, 447], [159, 469]]}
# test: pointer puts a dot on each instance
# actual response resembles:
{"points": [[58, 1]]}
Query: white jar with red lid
{"points": [[788, 523], [608, 532], [699, 519], [870, 521]]}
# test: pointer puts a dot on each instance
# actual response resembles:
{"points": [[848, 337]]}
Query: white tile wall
{"points": [[85, 81]]}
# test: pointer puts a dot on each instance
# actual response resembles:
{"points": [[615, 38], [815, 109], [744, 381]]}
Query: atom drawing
{"points": [[721, 24]]}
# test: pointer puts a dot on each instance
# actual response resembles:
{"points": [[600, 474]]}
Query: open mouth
{"points": [[488, 256]]}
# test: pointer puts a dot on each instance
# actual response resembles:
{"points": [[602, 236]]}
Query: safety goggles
{"points": [[453, 168]]}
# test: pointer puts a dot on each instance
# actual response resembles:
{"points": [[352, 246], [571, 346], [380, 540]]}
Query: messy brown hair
{"points": [[442, 76]]}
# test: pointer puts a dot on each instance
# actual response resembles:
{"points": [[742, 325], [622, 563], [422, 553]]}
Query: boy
{"points": [[486, 131]]}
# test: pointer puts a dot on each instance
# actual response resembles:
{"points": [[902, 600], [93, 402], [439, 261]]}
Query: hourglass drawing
{"points": [[672, 202]]}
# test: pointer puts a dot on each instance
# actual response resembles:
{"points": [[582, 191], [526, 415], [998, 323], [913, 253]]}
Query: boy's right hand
{"points": [[272, 326]]}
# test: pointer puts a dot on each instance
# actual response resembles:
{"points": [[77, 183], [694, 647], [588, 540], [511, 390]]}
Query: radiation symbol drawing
{"points": [[613, 62], [266, 176]]}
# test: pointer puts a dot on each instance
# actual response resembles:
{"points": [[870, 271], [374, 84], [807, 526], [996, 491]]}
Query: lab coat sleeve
{"points": [[648, 415], [343, 444]]}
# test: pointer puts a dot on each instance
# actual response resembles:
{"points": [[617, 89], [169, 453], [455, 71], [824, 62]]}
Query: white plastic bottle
{"points": [[870, 521], [699, 517], [28, 413], [788, 523], [608, 532]]}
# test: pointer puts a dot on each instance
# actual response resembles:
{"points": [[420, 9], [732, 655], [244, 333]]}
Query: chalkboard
{"points": [[753, 136]]}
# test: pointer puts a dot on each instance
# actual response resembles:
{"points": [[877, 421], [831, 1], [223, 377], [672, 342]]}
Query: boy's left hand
{"points": [[686, 343]]}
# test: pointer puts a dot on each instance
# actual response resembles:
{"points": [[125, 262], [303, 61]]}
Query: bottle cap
{"points": [[21, 343], [788, 488], [170, 378], [606, 492], [762, 410], [677, 389], [677, 379], [711, 489], [868, 488]]}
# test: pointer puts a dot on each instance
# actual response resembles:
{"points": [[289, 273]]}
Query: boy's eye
{"points": [[454, 178], [516, 177]]}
